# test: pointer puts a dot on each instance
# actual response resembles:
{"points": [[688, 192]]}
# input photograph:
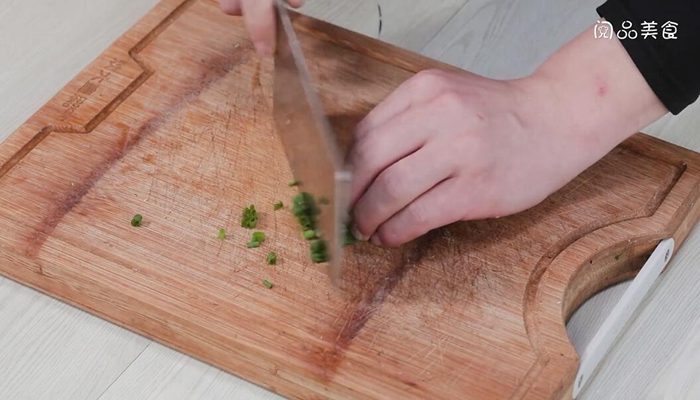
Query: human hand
{"points": [[259, 18], [446, 147]]}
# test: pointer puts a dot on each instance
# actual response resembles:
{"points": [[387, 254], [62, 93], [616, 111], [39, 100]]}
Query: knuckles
{"points": [[362, 155], [427, 78], [428, 81], [451, 102], [392, 186], [418, 214]]}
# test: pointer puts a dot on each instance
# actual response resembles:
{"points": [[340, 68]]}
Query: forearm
{"points": [[598, 96]]}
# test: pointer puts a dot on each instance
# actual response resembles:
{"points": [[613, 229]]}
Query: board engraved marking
{"points": [[88, 89], [114, 104]]}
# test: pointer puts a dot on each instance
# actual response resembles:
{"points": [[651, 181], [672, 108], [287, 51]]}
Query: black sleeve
{"points": [[670, 66]]}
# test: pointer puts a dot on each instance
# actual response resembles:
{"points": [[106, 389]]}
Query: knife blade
{"points": [[308, 140]]}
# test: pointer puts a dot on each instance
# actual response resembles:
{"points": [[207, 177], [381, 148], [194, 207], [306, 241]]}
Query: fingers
{"points": [[421, 88], [231, 7], [260, 21], [442, 205], [379, 149], [400, 185]]}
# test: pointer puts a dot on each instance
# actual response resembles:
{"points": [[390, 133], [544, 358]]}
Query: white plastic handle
{"points": [[619, 317]]}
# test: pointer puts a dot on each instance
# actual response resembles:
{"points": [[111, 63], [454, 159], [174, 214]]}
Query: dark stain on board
{"points": [[364, 305], [256, 82], [149, 159]]}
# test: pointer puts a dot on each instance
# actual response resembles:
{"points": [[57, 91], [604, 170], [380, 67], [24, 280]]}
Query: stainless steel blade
{"points": [[310, 145]]}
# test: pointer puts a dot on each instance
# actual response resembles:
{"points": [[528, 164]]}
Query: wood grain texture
{"points": [[666, 357], [410, 24], [37, 63], [681, 378], [69, 341], [43, 34], [49, 350], [505, 39], [161, 373], [181, 145]]}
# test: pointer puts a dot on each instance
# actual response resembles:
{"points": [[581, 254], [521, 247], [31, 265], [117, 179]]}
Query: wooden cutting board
{"points": [[173, 121]]}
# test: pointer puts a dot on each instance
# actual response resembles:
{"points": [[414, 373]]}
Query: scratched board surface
{"points": [[174, 122]]}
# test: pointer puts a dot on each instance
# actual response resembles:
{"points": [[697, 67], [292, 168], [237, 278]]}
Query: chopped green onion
{"points": [[305, 209], [349, 237], [268, 284], [137, 220], [222, 233], [305, 222], [279, 205], [272, 258], [250, 217], [258, 237], [253, 244], [294, 183], [319, 253]]}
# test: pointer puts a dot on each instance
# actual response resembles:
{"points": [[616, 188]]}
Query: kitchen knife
{"points": [[309, 143]]}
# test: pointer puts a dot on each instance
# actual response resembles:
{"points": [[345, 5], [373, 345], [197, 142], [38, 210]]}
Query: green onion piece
{"points": [[305, 209], [294, 183], [305, 222], [253, 244], [272, 258], [279, 205], [319, 253], [250, 217], [258, 237], [349, 237], [137, 220], [268, 284], [222, 233]]}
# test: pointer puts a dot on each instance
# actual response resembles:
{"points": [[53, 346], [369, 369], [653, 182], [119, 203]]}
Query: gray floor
{"points": [[49, 350]]}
